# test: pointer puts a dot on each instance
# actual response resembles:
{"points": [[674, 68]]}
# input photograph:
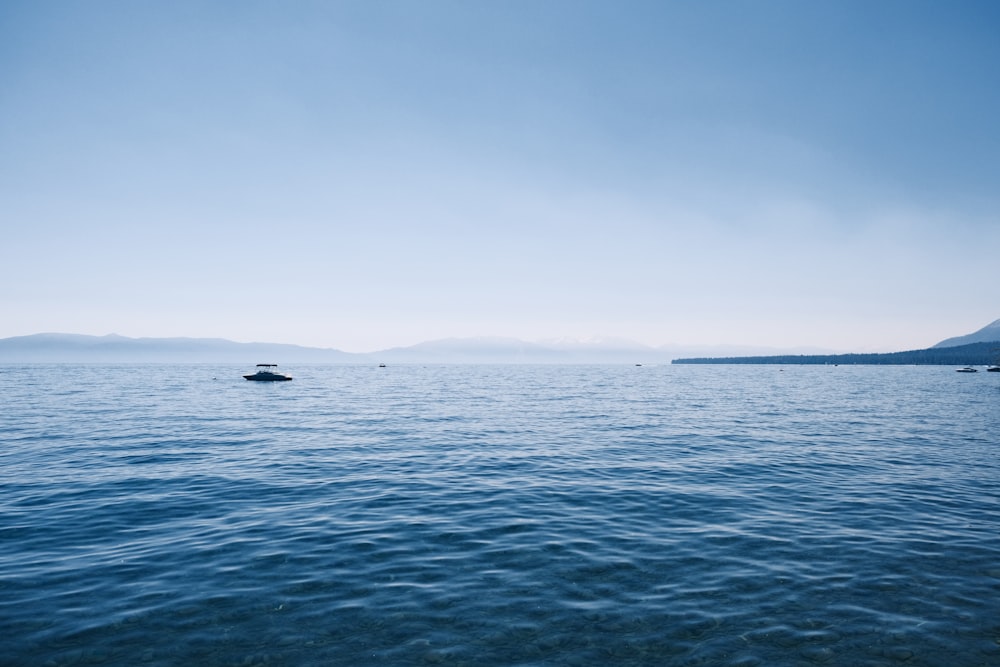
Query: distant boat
{"points": [[268, 373], [993, 369], [967, 369], [381, 365]]}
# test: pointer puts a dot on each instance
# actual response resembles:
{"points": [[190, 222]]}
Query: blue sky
{"points": [[362, 175]]}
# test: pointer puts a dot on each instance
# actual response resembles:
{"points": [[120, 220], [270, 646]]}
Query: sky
{"points": [[364, 175]]}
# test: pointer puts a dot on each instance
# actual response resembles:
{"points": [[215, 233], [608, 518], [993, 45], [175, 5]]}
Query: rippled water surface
{"points": [[499, 515]]}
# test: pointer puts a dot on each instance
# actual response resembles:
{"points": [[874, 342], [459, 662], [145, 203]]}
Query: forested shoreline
{"points": [[975, 354]]}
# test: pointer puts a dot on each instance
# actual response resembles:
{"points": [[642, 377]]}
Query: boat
{"points": [[268, 373], [967, 369], [993, 369]]}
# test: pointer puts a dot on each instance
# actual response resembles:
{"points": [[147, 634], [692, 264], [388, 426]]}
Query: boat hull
{"points": [[267, 377]]}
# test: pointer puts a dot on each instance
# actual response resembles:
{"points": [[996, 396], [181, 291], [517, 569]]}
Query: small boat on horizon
{"points": [[268, 373], [993, 369], [967, 369]]}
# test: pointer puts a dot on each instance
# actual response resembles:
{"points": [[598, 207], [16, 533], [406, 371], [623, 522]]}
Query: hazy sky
{"points": [[367, 174]]}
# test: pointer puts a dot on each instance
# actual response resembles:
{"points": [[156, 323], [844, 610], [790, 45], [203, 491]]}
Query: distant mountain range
{"points": [[73, 348], [68, 348], [76, 348]]}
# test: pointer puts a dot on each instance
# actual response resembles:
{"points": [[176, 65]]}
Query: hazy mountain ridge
{"points": [[112, 348], [71, 348]]}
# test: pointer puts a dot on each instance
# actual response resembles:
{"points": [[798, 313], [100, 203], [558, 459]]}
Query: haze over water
{"points": [[504, 515]]}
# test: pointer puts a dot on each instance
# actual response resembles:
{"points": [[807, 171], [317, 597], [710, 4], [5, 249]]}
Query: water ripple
{"points": [[500, 515]]}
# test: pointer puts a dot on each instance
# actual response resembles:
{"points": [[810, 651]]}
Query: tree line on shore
{"points": [[975, 354]]}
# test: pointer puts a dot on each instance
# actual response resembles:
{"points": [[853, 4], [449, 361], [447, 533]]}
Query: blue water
{"points": [[499, 515]]}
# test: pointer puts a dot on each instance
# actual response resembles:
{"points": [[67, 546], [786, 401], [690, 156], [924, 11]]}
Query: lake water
{"points": [[499, 515]]}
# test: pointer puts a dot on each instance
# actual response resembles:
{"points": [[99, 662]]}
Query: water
{"points": [[499, 515]]}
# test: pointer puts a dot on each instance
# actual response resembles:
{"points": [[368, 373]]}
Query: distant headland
{"points": [[979, 348]]}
